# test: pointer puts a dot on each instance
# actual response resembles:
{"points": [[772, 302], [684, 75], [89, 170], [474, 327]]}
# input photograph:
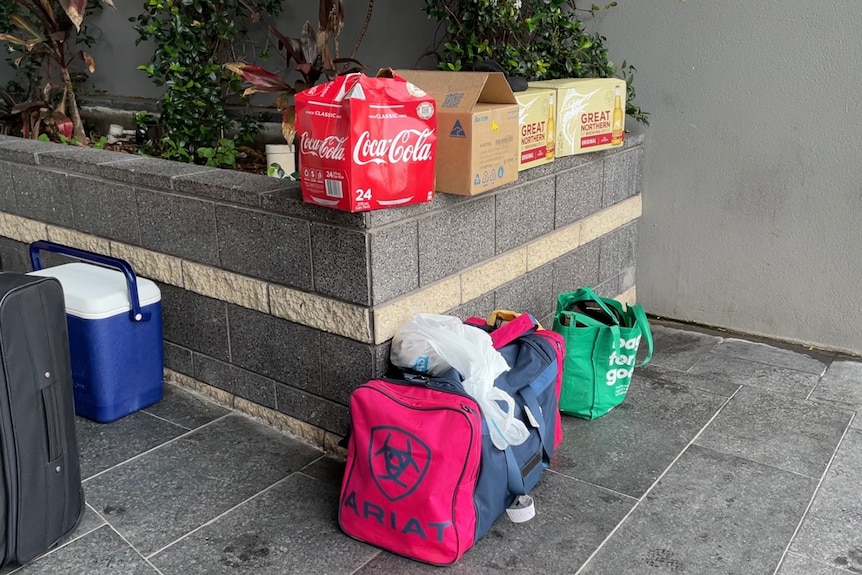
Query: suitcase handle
{"points": [[136, 314]]}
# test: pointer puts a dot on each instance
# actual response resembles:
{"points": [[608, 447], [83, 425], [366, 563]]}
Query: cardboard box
{"points": [[477, 137], [366, 143], [591, 114], [538, 109]]}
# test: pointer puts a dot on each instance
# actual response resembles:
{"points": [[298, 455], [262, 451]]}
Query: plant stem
{"points": [[77, 124], [364, 28]]}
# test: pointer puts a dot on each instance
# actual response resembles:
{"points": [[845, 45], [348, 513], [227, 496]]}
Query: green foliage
{"points": [[222, 156], [536, 39], [192, 38]]}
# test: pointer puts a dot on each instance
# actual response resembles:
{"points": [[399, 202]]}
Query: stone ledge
{"points": [[331, 315]]}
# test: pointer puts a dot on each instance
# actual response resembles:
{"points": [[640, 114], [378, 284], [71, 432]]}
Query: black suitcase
{"points": [[40, 485]]}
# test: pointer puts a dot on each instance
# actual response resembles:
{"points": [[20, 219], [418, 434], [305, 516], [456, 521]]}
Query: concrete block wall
{"points": [[280, 308]]}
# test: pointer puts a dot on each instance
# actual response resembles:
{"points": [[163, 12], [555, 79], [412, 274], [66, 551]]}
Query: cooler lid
{"points": [[96, 292]]}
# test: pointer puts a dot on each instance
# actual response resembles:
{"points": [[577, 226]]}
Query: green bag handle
{"points": [[643, 323], [591, 322]]}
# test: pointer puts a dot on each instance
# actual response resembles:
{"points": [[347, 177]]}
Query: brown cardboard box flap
{"points": [[460, 91]]}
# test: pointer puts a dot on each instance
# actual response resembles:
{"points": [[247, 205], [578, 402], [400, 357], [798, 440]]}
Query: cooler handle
{"points": [[136, 314]]}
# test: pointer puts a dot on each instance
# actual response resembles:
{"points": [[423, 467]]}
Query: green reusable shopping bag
{"points": [[602, 339]]}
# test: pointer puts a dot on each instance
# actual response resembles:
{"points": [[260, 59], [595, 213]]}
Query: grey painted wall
{"points": [[398, 35], [753, 167]]}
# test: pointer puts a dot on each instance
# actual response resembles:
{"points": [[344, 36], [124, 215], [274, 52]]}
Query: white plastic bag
{"points": [[432, 344]]}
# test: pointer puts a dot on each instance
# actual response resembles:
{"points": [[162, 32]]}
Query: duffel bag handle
{"points": [[517, 324], [135, 313]]}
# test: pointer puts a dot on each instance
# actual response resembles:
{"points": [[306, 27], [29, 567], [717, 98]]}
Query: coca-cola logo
{"points": [[329, 148], [407, 146]]}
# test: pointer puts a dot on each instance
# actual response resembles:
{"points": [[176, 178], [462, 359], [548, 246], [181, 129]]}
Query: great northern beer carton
{"points": [[366, 143], [477, 119], [538, 110], [591, 113]]}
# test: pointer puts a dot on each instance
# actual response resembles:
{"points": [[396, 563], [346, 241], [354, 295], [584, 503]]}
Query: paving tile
{"points": [[163, 495], [185, 409], [289, 529], [627, 449], [789, 433], [683, 349], [326, 469], [101, 552], [794, 564], [712, 383], [712, 513], [104, 445], [776, 379], [842, 385], [279, 246], [830, 532], [765, 353], [572, 518], [90, 521], [515, 226]]}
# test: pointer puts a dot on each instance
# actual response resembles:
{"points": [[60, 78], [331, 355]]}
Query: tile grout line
{"points": [[651, 487], [159, 446], [159, 417], [222, 514], [372, 558], [818, 561], [814, 495], [602, 487], [135, 549], [819, 380]]}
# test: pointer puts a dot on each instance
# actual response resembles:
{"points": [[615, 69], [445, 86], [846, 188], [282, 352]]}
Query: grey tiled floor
{"points": [[727, 457]]}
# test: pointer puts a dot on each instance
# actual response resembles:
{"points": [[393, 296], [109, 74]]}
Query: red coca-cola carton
{"points": [[366, 143]]}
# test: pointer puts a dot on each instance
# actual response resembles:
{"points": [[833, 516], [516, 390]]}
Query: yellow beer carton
{"points": [[537, 108], [590, 113]]}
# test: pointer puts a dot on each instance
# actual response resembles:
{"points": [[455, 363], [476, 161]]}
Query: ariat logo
{"points": [[398, 461]]}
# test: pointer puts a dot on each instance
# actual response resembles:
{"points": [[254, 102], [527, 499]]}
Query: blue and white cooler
{"points": [[115, 332]]}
